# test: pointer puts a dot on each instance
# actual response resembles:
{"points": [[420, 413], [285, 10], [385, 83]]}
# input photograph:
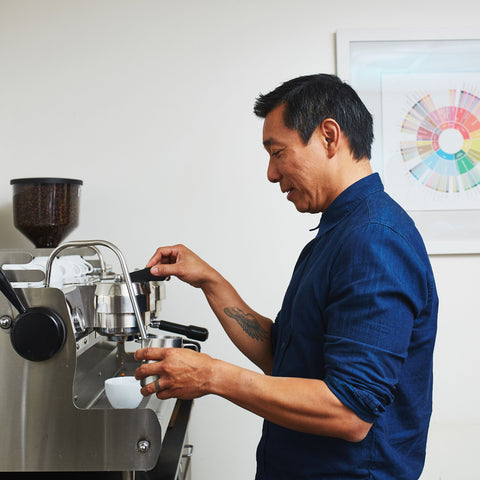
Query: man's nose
{"points": [[272, 173]]}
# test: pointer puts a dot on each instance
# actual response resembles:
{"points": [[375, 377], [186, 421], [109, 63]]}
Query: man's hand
{"points": [[183, 373], [182, 263]]}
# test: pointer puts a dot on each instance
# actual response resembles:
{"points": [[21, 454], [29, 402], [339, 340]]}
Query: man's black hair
{"points": [[310, 99]]}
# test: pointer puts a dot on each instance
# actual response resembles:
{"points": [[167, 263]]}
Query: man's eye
{"points": [[277, 153]]}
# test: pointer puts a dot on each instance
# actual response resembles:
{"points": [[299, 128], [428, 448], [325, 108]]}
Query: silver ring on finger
{"points": [[157, 385]]}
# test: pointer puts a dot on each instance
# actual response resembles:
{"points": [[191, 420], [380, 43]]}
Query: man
{"points": [[347, 389]]}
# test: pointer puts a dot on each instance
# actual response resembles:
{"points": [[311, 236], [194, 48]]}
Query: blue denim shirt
{"points": [[360, 314]]}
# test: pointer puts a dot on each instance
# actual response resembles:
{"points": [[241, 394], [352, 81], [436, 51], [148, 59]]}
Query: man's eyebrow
{"points": [[269, 142]]}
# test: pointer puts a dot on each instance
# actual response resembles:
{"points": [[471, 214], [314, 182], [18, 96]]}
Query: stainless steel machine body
{"points": [[54, 414]]}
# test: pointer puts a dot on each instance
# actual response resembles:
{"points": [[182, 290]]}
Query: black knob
{"points": [[38, 334]]}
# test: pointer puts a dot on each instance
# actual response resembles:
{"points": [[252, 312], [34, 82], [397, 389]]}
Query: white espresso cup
{"points": [[123, 392]]}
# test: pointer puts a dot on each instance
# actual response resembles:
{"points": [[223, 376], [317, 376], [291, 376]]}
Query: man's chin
{"points": [[301, 208], [306, 209]]}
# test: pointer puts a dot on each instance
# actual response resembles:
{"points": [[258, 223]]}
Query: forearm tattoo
{"points": [[248, 323]]}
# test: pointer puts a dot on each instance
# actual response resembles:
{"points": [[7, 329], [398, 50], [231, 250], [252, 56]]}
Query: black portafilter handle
{"points": [[190, 331]]}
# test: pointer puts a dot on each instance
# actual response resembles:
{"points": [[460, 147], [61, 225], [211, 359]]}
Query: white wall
{"points": [[150, 103]]}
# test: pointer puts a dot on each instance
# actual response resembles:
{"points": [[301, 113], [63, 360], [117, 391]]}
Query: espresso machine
{"points": [[68, 322]]}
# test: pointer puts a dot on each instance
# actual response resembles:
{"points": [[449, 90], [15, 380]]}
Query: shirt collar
{"points": [[348, 200]]}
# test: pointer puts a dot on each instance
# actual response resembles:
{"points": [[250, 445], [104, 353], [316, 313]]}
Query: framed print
{"points": [[423, 90]]}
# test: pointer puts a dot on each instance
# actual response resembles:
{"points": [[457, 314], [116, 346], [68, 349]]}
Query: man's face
{"points": [[302, 170]]}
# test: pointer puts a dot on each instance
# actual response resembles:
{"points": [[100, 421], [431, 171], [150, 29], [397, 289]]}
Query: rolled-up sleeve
{"points": [[377, 289]]}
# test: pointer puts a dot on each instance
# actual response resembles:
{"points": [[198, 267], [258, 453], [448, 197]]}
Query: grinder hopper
{"points": [[46, 210]]}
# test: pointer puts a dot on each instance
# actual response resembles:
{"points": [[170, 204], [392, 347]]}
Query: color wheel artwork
{"points": [[431, 134]]}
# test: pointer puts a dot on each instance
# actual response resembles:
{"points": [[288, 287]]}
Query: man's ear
{"points": [[331, 133]]}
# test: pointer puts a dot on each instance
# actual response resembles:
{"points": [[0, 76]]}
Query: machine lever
{"points": [[9, 292], [145, 275]]}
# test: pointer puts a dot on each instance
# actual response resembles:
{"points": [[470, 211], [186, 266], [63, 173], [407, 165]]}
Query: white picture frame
{"points": [[410, 78]]}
